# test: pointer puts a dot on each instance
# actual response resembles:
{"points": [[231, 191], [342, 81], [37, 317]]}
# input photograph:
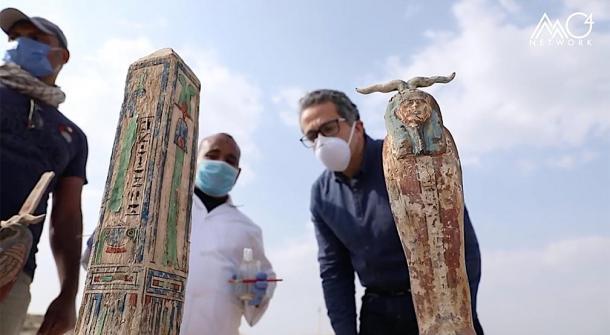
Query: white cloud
{"points": [[561, 161], [287, 103], [230, 102], [559, 289], [510, 5], [506, 94], [599, 8], [526, 166], [412, 9], [138, 25], [570, 161]]}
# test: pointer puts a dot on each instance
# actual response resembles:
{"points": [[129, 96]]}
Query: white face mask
{"points": [[334, 152]]}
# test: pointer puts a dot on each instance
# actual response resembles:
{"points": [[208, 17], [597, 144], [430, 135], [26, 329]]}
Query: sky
{"points": [[531, 122]]}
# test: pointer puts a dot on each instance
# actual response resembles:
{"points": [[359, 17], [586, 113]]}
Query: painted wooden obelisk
{"points": [[424, 181], [139, 262]]}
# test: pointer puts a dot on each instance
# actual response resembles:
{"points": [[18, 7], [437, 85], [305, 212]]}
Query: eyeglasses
{"points": [[328, 129]]}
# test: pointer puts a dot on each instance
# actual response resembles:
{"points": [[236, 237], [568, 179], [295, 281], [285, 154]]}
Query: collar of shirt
{"points": [[198, 201], [368, 161]]}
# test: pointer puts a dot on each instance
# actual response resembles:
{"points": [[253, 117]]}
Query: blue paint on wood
{"points": [[424, 140]]}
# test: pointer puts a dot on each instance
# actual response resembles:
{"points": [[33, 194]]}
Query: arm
{"points": [[337, 276], [65, 235]]}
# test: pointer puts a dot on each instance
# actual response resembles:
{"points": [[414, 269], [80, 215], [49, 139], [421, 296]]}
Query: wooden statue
{"points": [[16, 238], [424, 181], [139, 262]]}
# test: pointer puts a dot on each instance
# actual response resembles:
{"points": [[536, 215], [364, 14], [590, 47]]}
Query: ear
{"points": [[360, 126], [65, 55]]}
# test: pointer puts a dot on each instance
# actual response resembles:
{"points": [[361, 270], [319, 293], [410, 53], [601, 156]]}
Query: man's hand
{"points": [[60, 316]]}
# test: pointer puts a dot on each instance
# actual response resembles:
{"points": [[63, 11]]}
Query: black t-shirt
{"points": [[30, 145], [208, 201]]}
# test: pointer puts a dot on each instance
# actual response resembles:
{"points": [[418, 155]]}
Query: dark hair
{"points": [[345, 107]]}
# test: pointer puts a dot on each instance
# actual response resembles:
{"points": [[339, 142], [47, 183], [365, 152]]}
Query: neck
{"points": [[49, 80], [209, 201], [224, 198], [355, 162]]}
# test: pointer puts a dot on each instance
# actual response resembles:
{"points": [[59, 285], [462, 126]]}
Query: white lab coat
{"points": [[217, 242]]}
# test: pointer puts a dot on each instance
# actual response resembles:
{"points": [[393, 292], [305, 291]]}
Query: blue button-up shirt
{"points": [[355, 231]]}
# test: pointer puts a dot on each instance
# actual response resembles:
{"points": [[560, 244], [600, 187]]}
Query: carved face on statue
{"points": [[413, 118], [414, 112]]}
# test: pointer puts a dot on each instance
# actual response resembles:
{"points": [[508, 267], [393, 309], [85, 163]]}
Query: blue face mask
{"points": [[31, 56], [215, 178]]}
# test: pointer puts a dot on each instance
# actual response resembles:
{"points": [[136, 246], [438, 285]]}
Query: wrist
{"points": [[68, 293], [69, 283]]}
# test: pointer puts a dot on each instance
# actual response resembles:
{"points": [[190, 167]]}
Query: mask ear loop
{"points": [[351, 134]]}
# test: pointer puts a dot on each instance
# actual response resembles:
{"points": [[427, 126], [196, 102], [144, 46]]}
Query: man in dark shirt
{"points": [[354, 225], [34, 138]]}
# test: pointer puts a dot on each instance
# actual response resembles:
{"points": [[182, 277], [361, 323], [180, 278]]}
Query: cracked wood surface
{"points": [[424, 181]]}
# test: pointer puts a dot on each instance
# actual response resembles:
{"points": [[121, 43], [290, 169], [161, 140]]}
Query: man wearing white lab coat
{"points": [[219, 234]]}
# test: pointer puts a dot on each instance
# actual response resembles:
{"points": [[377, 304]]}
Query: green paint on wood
{"points": [[106, 278], [100, 322], [171, 251], [394, 126], [187, 93], [116, 197], [99, 248]]}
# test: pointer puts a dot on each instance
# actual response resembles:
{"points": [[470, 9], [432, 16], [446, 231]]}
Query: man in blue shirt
{"points": [[354, 225], [34, 138]]}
